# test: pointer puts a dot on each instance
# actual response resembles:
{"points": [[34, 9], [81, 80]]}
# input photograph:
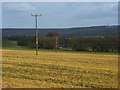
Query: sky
{"points": [[59, 14]]}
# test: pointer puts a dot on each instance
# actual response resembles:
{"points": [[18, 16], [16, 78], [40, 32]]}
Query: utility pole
{"points": [[56, 40], [36, 34]]}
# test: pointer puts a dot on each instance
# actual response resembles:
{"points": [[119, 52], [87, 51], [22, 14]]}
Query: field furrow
{"points": [[66, 70]]}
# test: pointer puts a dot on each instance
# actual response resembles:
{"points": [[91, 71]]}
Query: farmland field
{"points": [[22, 68]]}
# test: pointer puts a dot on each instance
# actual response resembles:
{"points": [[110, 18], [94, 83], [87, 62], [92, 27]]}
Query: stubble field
{"points": [[22, 68]]}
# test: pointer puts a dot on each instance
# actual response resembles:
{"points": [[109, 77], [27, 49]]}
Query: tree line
{"points": [[94, 44]]}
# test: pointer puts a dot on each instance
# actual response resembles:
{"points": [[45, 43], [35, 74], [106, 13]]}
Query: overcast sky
{"points": [[59, 14]]}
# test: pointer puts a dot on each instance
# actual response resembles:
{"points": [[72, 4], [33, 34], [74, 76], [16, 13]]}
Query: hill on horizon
{"points": [[64, 32]]}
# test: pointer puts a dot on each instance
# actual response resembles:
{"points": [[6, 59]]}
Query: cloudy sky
{"points": [[59, 14]]}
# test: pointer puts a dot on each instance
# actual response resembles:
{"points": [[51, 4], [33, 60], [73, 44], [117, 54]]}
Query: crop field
{"points": [[22, 68]]}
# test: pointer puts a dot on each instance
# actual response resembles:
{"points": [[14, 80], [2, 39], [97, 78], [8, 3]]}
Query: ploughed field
{"points": [[22, 68]]}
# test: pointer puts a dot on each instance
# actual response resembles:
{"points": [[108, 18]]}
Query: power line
{"points": [[36, 34]]}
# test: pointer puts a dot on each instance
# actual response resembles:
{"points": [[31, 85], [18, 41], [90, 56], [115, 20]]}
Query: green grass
{"points": [[53, 50]]}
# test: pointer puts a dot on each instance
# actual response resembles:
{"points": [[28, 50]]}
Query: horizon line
{"points": [[57, 27]]}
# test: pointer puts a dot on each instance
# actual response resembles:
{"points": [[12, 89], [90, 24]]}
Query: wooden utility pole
{"points": [[56, 40], [36, 34]]}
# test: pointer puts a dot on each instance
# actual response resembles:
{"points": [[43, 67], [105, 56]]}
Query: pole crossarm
{"points": [[36, 14]]}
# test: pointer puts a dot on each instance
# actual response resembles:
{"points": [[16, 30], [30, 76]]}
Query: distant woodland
{"points": [[94, 42]]}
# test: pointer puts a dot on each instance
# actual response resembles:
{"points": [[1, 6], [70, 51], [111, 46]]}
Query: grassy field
{"points": [[22, 68]]}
